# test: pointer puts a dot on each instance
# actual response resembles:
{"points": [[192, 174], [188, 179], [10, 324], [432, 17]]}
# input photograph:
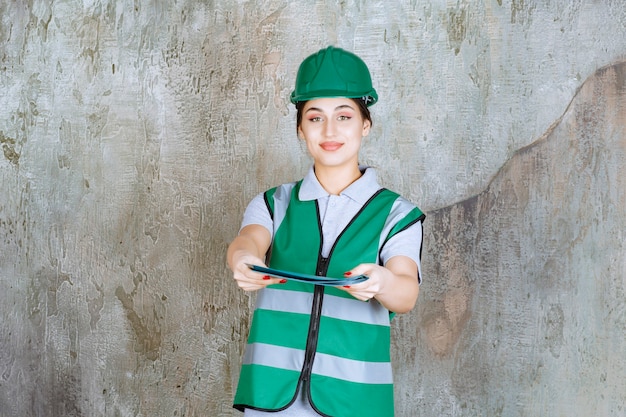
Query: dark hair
{"points": [[365, 111]]}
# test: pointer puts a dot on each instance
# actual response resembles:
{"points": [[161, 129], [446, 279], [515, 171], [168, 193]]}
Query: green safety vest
{"points": [[316, 338]]}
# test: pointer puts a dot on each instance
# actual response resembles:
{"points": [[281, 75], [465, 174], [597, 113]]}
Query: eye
{"points": [[343, 117], [315, 119]]}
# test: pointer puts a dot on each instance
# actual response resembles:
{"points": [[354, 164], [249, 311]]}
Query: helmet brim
{"points": [[370, 97]]}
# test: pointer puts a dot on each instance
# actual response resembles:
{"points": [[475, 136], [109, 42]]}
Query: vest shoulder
{"points": [[281, 189], [404, 205], [398, 196], [279, 195]]}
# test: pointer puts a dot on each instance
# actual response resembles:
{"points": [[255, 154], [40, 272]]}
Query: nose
{"points": [[329, 128]]}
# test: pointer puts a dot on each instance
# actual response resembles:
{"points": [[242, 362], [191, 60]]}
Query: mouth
{"points": [[330, 146]]}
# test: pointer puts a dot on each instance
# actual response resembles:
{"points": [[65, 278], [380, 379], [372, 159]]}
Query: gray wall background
{"points": [[135, 132]]}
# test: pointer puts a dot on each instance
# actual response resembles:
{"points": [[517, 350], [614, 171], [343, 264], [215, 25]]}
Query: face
{"points": [[333, 129]]}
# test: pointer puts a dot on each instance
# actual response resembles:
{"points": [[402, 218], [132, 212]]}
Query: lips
{"points": [[331, 146]]}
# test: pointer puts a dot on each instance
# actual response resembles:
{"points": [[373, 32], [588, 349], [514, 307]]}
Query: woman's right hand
{"points": [[247, 279], [246, 249]]}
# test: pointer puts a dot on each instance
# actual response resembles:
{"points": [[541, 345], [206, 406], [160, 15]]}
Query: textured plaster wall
{"points": [[133, 134]]}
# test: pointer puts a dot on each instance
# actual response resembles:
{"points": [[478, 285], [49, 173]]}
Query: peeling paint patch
{"points": [[8, 149], [456, 27], [521, 11], [95, 306], [552, 329], [148, 338]]}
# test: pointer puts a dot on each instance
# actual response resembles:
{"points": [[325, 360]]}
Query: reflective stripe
{"points": [[325, 365], [341, 308], [401, 207], [351, 370], [282, 196], [285, 300], [274, 356], [349, 309]]}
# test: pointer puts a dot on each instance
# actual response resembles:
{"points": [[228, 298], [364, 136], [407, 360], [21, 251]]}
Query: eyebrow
{"points": [[343, 106]]}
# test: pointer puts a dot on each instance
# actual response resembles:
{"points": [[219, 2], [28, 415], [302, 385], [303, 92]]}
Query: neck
{"points": [[336, 179]]}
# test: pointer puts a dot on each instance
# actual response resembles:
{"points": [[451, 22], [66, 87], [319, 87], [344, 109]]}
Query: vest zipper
{"points": [[311, 343], [312, 337], [322, 266], [316, 314]]}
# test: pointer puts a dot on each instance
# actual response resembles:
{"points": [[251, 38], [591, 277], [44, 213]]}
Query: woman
{"points": [[320, 350]]}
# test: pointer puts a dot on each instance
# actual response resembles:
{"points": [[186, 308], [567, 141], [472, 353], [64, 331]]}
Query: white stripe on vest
{"points": [[371, 312], [326, 365]]}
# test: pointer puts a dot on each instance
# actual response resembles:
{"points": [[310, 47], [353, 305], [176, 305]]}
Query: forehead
{"points": [[330, 105]]}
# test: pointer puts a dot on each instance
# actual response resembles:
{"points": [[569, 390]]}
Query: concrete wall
{"points": [[135, 132]]}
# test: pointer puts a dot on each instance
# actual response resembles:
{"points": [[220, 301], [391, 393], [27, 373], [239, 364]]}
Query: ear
{"points": [[366, 127], [300, 134]]}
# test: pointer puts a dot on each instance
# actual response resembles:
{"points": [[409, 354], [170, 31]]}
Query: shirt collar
{"points": [[360, 190]]}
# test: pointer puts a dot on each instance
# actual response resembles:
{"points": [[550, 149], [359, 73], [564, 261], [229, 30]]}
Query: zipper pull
{"points": [[322, 267]]}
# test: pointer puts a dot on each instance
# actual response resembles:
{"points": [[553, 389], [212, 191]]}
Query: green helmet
{"points": [[333, 72]]}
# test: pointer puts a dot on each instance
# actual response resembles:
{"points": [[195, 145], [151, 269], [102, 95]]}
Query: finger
{"points": [[255, 280], [362, 269], [357, 293]]}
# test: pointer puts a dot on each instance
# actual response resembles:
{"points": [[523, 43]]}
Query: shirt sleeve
{"points": [[258, 213], [406, 243]]}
